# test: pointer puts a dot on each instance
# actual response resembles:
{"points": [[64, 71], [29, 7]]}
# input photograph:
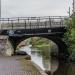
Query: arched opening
{"points": [[62, 53], [43, 51]]}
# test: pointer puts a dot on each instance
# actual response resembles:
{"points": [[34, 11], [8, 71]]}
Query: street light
{"points": [[0, 14], [73, 6], [0, 8]]}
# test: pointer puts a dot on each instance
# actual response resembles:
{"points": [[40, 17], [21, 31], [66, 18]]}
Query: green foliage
{"points": [[69, 37], [39, 41]]}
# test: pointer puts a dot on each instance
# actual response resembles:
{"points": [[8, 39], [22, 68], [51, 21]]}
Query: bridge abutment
{"points": [[6, 48]]}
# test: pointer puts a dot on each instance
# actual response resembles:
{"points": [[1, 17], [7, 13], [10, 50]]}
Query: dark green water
{"points": [[43, 59]]}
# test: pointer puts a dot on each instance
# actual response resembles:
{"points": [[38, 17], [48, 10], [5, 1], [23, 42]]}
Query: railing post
{"points": [[37, 22], [12, 24], [8, 20], [25, 24], [18, 19], [18, 23], [61, 24], [45, 24], [28, 23], [50, 21]]}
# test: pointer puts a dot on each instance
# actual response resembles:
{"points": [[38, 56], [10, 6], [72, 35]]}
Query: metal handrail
{"points": [[37, 22]]}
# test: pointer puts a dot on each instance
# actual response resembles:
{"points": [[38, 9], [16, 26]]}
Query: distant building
{"points": [[73, 6]]}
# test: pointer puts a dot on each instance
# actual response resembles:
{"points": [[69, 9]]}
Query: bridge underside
{"points": [[63, 53], [16, 40], [20, 29]]}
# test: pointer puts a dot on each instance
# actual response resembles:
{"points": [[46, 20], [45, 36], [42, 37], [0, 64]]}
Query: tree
{"points": [[69, 37]]}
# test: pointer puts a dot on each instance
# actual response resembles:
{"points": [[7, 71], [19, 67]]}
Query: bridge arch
{"points": [[62, 47], [63, 53], [51, 28]]}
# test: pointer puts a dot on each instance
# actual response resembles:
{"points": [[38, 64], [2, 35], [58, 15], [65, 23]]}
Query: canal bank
{"points": [[26, 60], [39, 57], [17, 65], [56, 67], [31, 66]]}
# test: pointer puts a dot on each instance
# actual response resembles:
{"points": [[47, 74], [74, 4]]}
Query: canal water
{"points": [[42, 58]]}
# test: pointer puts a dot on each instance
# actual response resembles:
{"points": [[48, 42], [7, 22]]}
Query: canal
{"points": [[41, 54], [42, 58]]}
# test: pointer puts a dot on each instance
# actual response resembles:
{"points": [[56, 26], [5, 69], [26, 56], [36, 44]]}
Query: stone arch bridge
{"points": [[19, 29], [51, 27]]}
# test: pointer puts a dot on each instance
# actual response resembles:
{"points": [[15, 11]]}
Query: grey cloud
{"points": [[18, 8]]}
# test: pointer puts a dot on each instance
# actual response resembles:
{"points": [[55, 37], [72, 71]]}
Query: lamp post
{"points": [[69, 12], [0, 8], [0, 14], [73, 6]]}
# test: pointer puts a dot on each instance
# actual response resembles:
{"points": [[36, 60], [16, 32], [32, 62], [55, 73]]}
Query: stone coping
{"points": [[3, 37], [38, 68]]}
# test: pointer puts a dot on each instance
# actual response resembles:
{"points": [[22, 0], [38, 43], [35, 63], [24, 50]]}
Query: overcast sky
{"points": [[22, 8]]}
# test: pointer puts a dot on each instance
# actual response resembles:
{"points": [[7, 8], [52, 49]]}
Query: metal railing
{"points": [[32, 22]]}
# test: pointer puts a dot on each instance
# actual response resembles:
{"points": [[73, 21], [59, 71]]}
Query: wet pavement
{"points": [[17, 65], [11, 66]]}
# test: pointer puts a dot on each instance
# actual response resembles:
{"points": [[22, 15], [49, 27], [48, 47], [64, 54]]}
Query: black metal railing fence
{"points": [[32, 22]]}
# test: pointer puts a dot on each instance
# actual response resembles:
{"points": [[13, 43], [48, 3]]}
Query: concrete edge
{"points": [[38, 68]]}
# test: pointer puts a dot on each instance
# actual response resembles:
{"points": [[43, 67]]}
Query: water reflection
{"points": [[41, 58]]}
